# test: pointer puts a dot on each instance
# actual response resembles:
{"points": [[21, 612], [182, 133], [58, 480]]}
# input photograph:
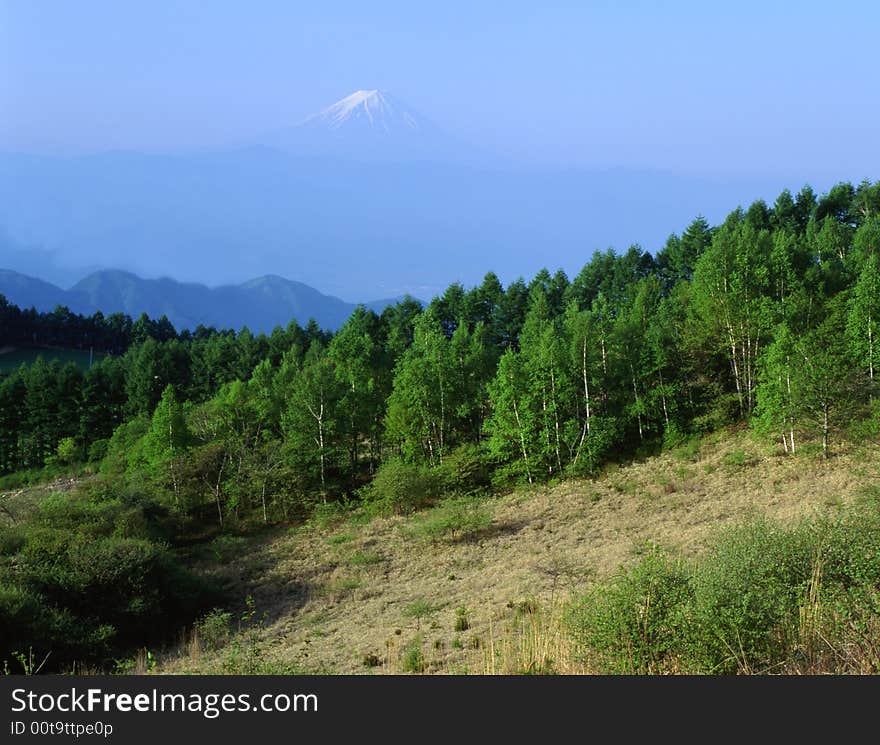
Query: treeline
{"points": [[770, 317], [45, 403], [112, 334]]}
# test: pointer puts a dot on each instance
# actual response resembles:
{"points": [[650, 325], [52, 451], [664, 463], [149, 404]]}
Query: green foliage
{"points": [[93, 577], [746, 596], [98, 450], [68, 451], [329, 514], [125, 449], [466, 470], [454, 518], [633, 624], [365, 558], [401, 488], [761, 599], [419, 609], [413, 658], [735, 459], [226, 547], [214, 629]]}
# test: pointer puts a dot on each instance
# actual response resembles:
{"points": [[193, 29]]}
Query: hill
{"points": [[260, 304], [356, 597], [27, 291]]}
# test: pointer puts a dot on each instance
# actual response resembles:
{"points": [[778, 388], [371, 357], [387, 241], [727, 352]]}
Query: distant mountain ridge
{"points": [[260, 304], [363, 193]]}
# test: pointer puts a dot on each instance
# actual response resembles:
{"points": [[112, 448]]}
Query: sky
{"points": [[744, 88], [730, 102]]}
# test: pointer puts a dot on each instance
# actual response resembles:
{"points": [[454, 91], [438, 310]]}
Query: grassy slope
{"points": [[11, 358], [333, 596]]}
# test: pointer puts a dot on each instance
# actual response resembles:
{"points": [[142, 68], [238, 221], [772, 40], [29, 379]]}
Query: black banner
{"points": [[219, 709]]}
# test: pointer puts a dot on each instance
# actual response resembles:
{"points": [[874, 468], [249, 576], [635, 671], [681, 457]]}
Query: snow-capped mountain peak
{"points": [[374, 109], [368, 125]]}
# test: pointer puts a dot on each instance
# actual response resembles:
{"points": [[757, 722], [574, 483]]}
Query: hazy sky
{"points": [[755, 87]]}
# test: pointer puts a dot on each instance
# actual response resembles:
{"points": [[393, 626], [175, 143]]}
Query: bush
{"points": [[11, 540], [634, 624], [675, 436], [737, 459], [747, 593], [455, 518], [761, 599], [850, 556], [27, 622], [461, 619], [125, 448], [413, 659], [401, 488], [466, 470], [226, 547], [134, 585], [98, 450], [90, 582], [68, 451], [104, 510], [214, 630]]}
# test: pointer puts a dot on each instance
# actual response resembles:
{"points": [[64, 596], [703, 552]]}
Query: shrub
{"points": [[419, 609], [98, 450], [633, 625], [125, 448], [737, 459], [466, 470], [675, 436], [28, 622], [455, 518], [413, 659], [214, 629], [68, 451], [11, 540], [850, 555], [401, 488], [87, 597], [747, 593], [326, 515], [761, 599], [226, 547]]}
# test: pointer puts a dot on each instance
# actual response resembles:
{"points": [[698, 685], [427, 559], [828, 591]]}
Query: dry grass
{"points": [[327, 608]]}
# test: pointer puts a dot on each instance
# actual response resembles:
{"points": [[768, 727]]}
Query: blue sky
{"points": [[748, 88]]}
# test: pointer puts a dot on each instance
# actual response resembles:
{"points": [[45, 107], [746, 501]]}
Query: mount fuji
{"points": [[375, 111], [368, 125]]}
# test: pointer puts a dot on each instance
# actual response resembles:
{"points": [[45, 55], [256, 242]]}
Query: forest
{"points": [[768, 319]]}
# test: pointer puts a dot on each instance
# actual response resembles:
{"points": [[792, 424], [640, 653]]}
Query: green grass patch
{"points": [[14, 358], [455, 518], [365, 558]]}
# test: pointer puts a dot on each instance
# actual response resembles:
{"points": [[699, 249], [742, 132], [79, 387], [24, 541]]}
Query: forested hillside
{"points": [[769, 318]]}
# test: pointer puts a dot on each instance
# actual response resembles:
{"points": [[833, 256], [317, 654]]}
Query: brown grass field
{"points": [[367, 597]]}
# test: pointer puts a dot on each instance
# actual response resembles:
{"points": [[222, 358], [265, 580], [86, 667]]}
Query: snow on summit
{"points": [[367, 125], [375, 109]]}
